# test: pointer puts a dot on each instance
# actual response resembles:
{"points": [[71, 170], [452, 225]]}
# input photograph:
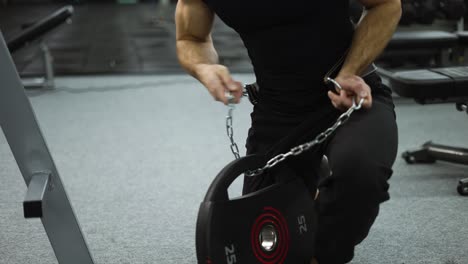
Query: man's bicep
{"points": [[194, 20], [372, 3]]}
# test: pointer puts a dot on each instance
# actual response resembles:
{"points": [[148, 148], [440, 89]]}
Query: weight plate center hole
{"points": [[268, 238]]}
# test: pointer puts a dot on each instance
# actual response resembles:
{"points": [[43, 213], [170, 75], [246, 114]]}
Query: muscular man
{"points": [[293, 46]]}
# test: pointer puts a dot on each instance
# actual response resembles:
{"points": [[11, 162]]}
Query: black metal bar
{"points": [[40, 28], [33, 203], [447, 153]]}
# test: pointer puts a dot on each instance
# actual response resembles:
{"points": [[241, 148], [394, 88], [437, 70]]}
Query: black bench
{"points": [[39, 29], [462, 50], [438, 85], [34, 33], [422, 48]]}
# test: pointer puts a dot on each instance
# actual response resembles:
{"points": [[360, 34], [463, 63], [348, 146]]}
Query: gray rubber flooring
{"points": [[136, 155]]}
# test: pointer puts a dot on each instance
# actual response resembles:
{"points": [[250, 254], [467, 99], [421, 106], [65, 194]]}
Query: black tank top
{"points": [[292, 45]]}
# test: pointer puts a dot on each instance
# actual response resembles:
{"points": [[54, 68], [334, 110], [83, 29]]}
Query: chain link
{"points": [[230, 128], [298, 150]]}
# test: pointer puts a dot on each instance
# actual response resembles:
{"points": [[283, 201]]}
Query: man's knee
{"points": [[360, 176]]}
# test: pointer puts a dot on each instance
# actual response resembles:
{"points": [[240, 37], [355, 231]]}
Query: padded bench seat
{"points": [[419, 48], [40, 28], [422, 39], [432, 85]]}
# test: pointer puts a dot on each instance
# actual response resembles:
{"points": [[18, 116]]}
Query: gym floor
{"points": [[137, 153]]}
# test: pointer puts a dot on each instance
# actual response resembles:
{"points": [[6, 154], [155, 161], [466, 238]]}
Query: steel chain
{"points": [[298, 150], [230, 129]]}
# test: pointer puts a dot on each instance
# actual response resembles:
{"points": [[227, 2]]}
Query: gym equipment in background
{"points": [[423, 12], [46, 197], [452, 9], [426, 44], [426, 11], [36, 32], [419, 48], [437, 85]]}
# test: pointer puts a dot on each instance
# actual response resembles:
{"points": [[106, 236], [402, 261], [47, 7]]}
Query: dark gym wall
{"points": [[139, 38], [133, 38]]}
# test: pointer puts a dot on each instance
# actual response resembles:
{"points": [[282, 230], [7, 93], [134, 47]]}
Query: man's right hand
{"points": [[217, 79]]}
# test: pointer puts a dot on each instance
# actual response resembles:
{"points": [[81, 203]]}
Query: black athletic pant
{"points": [[361, 155]]}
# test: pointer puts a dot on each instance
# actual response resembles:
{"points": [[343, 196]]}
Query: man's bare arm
{"points": [[196, 53], [372, 34], [194, 21]]}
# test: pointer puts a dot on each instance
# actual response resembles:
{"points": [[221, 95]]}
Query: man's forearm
{"points": [[193, 52], [371, 36]]}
